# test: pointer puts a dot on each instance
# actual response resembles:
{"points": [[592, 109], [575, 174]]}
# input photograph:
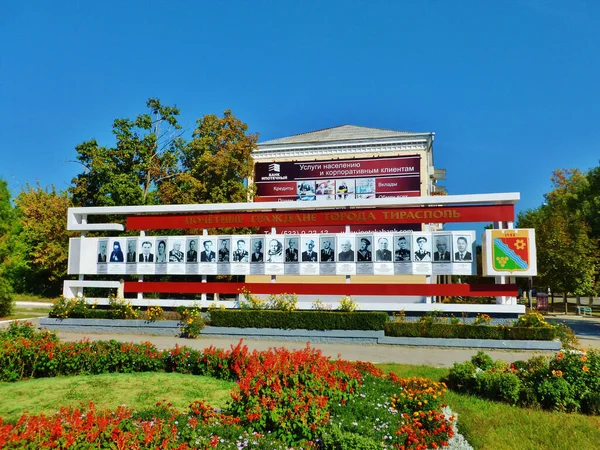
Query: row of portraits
{"points": [[374, 247]]}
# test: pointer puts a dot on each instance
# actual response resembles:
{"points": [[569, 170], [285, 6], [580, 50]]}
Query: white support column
{"points": [[81, 276], [203, 297], [273, 277], [140, 295], [348, 277]]}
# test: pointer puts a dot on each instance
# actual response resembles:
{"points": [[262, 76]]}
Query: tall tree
{"points": [[43, 215], [146, 154], [216, 164], [7, 224], [567, 252]]}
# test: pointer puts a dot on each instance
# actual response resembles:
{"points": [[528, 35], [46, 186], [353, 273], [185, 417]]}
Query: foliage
{"points": [[45, 238], [282, 302], [464, 331], [563, 222], [569, 381], [154, 313], [216, 164], [251, 301], [319, 305], [304, 320], [6, 298], [348, 304], [482, 319], [191, 322], [146, 154], [121, 308], [532, 319], [282, 399], [64, 308], [7, 230]]}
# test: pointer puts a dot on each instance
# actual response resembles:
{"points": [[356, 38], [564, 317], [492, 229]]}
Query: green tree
{"points": [[217, 164], [43, 214], [7, 220], [146, 154], [567, 252]]}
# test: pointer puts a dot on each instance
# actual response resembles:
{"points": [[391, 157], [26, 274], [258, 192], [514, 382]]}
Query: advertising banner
{"points": [[397, 176]]}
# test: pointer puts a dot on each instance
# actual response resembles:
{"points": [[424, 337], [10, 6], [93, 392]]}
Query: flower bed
{"points": [[569, 381], [283, 399]]}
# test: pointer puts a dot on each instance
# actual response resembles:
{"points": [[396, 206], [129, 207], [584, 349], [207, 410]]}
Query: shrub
{"points": [[64, 308], [555, 393], [445, 330], [282, 302], [590, 403], [121, 308], [462, 376], [192, 323], [532, 319], [482, 360], [154, 313], [348, 304], [318, 305], [482, 319], [306, 320], [504, 386]]}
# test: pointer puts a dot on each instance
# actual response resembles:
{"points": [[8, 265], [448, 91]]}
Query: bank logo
{"points": [[274, 168], [511, 250]]}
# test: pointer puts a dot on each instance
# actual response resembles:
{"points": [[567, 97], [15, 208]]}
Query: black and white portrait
{"points": [[291, 250], [224, 249], [310, 250], [191, 255], [102, 256], [402, 251], [327, 248], [258, 254], [422, 246], [274, 250], [462, 247], [208, 254], [176, 254], [443, 252], [241, 253], [345, 249], [131, 251], [364, 251], [161, 250], [146, 250], [383, 253]]}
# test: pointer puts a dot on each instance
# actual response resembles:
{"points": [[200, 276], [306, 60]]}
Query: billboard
{"points": [[338, 180]]}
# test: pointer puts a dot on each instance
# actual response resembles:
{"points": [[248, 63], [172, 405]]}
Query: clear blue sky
{"points": [[510, 88]]}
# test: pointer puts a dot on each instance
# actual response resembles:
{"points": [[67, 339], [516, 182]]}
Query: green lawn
{"points": [[139, 391], [32, 298], [498, 426]]}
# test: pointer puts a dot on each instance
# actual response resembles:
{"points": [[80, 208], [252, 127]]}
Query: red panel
{"points": [[486, 290], [388, 216]]}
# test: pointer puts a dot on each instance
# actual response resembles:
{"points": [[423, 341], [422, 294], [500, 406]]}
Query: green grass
{"points": [[139, 391], [27, 312], [493, 425], [32, 298]]}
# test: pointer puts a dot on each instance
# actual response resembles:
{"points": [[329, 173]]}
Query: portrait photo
{"points": [[176, 254], [208, 254], [257, 246], [443, 250], [327, 244], [241, 253], [146, 250], [224, 251], [310, 249], [345, 248], [383, 253], [291, 250], [191, 255], [462, 247], [161, 250], [364, 251], [131, 251], [102, 246], [422, 248], [403, 245], [274, 250], [116, 252]]}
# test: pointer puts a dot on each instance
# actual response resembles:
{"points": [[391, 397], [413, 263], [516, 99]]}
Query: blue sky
{"points": [[510, 88]]}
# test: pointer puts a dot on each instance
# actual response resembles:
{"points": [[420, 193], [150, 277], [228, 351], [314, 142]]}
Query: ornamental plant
{"points": [[482, 319], [191, 321], [154, 313], [348, 304], [122, 308], [63, 308]]}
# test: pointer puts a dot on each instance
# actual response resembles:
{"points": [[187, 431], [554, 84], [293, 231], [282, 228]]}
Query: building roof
{"points": [[340, 133]]}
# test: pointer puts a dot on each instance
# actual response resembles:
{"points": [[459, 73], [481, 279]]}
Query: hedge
{"points": [[299, 320], [443, 330]]}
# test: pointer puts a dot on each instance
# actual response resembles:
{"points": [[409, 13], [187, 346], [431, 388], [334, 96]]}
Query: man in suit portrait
{"points": [[462, 254], [383, 254], [309, 254], [291, 253], [130, 257], [442, 254], [257, 254], [102, 251], [146, 256], [208, 255], [192, 253], [403, 253], [422, 254], [224, 251], [347, 254], [240, 254], [327, 253], [363, 253]]}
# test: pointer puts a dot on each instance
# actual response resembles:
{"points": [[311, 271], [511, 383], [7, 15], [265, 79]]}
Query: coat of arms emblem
{"points": [[510, 250]]}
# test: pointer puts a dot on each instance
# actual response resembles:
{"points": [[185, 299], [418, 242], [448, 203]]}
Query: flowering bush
{"points": [[191, 322], [63, 308], [348, 304], [569, 381], [154, 313], [121, 308], [482, 319], [283, 400]]}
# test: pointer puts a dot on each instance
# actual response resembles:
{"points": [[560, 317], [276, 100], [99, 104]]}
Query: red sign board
{"points": [[329, 218]]}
